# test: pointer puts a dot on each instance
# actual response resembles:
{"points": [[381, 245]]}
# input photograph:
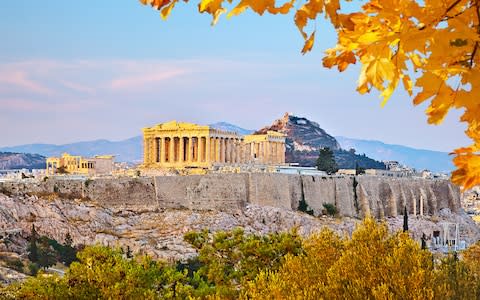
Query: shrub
{"points": [[33, 269], [88, 182], [15, 264], [330, 209], [303, 207]]}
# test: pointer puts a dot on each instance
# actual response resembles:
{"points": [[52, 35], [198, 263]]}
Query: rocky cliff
{"points": [[302, 134], [151, 214], [9, 160], [305, 138], [353, 196]]}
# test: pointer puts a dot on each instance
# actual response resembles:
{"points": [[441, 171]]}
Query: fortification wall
{"points": [[354, 197]]}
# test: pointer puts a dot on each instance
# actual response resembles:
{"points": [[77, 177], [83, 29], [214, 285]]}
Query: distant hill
{"points": [[9, 161], [305, 138], [130, 150], [419, 159], [303, 141]]}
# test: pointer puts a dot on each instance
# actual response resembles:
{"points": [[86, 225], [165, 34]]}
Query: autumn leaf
{"points": [[309, 43]]}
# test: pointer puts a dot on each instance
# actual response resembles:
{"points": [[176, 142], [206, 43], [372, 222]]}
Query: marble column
{"points": [[228, 156], [262, 152], [162, 150], [208, 149], [235, 151], [222, 150], [268, 152], [171, 151], [217, 149], [201, 150], [252, 151], [181, 150], [190, 149]]}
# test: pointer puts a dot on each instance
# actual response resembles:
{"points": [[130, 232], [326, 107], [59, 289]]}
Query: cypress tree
{"points": [[32, 247], [405, 220], [326, 161]]}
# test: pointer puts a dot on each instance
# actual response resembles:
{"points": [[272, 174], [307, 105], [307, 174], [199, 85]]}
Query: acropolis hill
{"points": [[150, 213]]}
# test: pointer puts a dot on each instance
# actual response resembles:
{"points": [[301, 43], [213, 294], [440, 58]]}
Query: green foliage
{"points": [[326, 161], [303, 207], [355, 195], [45, 252], [88, 182], [45, 179], [405, 220], [104, 273], [47, 256], [453, 279], [66, 253], [33, 269], [349, 160], [32, 248], [330, 209], [15, 264], [372, 264], [358, 169], [229, 259]]}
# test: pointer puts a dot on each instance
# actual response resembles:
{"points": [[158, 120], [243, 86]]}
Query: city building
{"points": [[185, 145], [77, 165]]}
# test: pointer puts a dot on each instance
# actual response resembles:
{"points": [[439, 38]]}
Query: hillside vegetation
{"points": [[372, 264]]}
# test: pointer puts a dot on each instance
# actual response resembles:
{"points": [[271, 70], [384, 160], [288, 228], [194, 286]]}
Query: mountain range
{"points": [[419, 159], [309, 137]]}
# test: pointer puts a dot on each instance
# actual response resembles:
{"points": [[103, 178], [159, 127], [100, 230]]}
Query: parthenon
{"points": [[187, 145]]}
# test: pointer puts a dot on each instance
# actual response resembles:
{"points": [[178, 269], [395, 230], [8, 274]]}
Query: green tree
{"points": [[405, 219], [359, 170], [326, 161], [453, 280], [32, 248], [68, 253], [229, 259], [47, 256], [104, 273]]}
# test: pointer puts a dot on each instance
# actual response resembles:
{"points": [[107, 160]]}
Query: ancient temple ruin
{"points": [[186, 145]]}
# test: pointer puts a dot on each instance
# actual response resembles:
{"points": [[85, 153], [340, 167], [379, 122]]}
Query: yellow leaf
{"points": [[407, 84], [167, 10], [468, 173], [309, 43]]}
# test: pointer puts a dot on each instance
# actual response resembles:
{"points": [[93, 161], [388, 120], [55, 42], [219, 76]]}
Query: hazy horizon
{"points": [[106, 69]]}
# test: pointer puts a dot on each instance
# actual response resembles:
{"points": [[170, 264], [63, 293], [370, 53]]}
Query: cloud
{"points": [[20, 79], [77, 87], [142, 80], [35, 106]]}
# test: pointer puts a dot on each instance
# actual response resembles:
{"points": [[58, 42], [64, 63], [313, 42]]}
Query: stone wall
{"points": [[354, 197]]}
